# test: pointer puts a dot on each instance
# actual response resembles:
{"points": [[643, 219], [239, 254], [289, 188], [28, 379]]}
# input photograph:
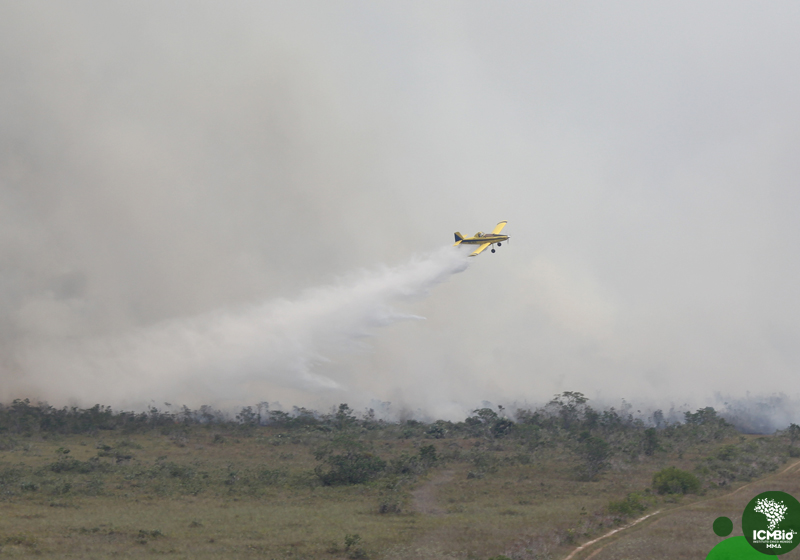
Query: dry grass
{"points": [[196, 494], [686, 532]]}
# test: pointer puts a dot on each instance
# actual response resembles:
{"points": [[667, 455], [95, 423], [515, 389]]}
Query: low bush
{"points": [[350, 468], [633, 504], [672, 480]]}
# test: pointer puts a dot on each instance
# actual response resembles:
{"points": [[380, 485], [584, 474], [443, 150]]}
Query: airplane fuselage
{"points": [[481, 238]]}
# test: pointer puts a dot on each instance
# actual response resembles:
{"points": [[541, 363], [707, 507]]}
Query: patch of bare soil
{"points": [[424, 497]]}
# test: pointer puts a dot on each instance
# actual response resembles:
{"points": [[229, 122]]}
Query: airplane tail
{"points": [[459, 238]]}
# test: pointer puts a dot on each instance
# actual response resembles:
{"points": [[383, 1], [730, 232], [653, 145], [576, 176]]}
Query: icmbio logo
{"points": [[771, 522]]}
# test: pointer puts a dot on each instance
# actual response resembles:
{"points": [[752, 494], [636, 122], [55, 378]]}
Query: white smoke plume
{"points": [[236, 356], [160, 160]]}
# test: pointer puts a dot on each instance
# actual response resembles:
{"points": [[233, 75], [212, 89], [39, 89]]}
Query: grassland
{"points": [[85, 484], [685, 531]]}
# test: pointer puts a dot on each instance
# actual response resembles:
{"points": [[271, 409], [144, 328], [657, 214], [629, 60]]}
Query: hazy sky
{"points": [[165, 165]]}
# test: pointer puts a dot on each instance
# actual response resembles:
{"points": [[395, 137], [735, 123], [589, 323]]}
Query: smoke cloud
{"points": [[164, 165], [230, 356]]}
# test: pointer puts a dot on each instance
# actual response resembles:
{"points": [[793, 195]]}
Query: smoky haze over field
{"points": [[166, 165], [229, 356]]}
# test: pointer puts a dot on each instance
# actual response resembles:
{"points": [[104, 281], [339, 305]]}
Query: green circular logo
{"points": [[771, 522], [723, 526]]}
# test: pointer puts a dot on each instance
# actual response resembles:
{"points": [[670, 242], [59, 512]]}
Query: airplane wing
{"points": [[498, 228], [479, 249]]}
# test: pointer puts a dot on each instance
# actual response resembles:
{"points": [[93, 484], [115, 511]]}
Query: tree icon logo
{"points": [[774, 511]]}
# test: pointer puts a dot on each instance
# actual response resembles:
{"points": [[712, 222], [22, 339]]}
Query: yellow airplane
{"points": [[484, 239]]}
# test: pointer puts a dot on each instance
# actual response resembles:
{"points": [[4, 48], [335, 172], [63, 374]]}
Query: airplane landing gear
{"points": [[499, 244], [492, 250]]}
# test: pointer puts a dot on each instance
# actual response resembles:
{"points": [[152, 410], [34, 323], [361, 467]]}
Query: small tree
{"points": [[248, 417], [650, 442], [481, 422], [595, 452], [569, 407], [794, 433], [345, 417], [703, 417]]}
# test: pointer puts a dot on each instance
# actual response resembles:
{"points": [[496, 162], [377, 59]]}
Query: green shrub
{"points": [[436, 431], [427, 455], [28, 486], [350, 468], [631, 505], [70, 464], [351, 546], [485, 462], [272, 477], [672, 480], [727, 453], [389, 506]]}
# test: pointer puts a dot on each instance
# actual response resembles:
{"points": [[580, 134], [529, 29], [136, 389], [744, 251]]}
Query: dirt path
{"points": [[590, 543], [424, 497], [584, 546]]}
